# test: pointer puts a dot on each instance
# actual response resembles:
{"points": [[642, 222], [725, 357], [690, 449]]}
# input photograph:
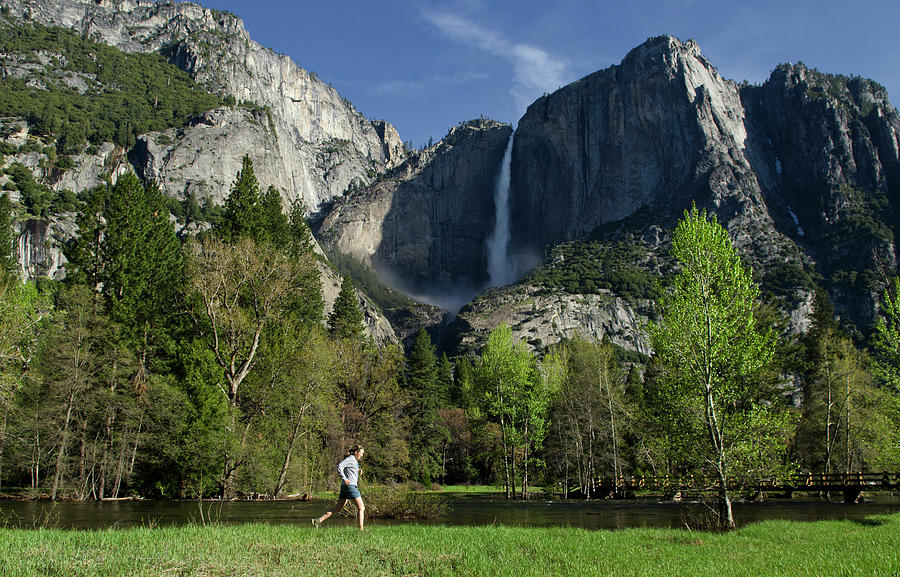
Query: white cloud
{"points": [[534, 70], [412, 86]]}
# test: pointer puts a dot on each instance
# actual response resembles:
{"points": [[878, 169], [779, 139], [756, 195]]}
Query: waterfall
{"points": [[500, 270]]}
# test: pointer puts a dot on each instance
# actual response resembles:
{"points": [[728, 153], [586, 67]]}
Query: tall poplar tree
{"points": [[710, 345]]}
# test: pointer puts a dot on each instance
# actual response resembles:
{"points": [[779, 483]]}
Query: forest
{"points": [[175, 367]]}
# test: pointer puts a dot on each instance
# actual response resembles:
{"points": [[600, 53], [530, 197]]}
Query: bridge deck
{"points": [[851, 484]]}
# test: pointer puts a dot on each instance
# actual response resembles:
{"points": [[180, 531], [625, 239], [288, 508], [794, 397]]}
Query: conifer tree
{"points": [[425, 400], [242, 214], [7, 250], [346, 319], [142, 268], [299, 237]]}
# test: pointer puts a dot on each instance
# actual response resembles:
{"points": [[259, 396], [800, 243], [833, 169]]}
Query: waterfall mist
{"points": [[500, 270]]}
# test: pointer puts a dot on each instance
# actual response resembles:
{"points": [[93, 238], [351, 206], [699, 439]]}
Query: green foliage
{"points": [[886, 340], [35, 197], [588, 267], [427, 396], [24, 313], [247, 214], [141, 256], [590, 417], [127, 248], [784, 279], [7, 246], [708, 342], [384, 297], [508, 390], [848, 423], [127, 94], [38, 200], [346, 318]]}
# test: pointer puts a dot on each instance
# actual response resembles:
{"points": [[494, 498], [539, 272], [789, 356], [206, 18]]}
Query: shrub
{"points": [[396, 501]]}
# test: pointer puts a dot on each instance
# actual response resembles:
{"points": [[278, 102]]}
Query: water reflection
{"points": [[466, 509]]}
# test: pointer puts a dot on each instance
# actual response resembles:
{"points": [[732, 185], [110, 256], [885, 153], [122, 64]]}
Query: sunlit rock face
{"points": [[316, 144]]}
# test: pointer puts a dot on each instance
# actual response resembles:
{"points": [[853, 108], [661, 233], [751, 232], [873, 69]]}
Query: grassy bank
{"points": [[773, 548]]}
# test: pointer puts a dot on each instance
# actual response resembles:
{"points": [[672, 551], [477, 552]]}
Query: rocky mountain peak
{"points": [[313, 144]]}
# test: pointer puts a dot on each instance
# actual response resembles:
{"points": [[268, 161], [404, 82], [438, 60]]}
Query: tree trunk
{"points": [[847, 444], [512, 460], [615, 446], [82, 462], [525, 464], [36, 462], [63, 444], [726, 517], [506, 463], [282, 477], [829, 406], [2, 442]]}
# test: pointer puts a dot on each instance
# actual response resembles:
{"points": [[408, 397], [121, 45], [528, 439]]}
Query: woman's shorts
{"points": [[349, 491]]}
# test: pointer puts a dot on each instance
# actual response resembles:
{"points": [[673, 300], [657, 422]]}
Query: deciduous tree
{"points": [[711, 347]]}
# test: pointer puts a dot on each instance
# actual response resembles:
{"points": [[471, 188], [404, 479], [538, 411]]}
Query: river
{"points": [[465, 509]]}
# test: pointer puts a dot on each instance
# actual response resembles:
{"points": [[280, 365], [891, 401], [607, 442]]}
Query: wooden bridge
{"points": [[850, 485]]}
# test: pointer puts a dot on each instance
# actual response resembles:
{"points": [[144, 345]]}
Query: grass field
{"points": [[772, 548]]}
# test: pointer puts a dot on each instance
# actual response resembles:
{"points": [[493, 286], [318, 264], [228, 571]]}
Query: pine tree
{"points": [[242, 215], [7, 250], [300, 238], [425, 400], [142, 268], [274, 226], [346, 319]]}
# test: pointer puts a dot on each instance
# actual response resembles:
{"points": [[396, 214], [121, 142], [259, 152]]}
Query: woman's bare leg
{"points": [[336, 510], [360, 512]]}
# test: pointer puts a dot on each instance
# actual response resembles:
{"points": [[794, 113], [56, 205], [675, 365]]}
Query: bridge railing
{"points": [[813, 481]]}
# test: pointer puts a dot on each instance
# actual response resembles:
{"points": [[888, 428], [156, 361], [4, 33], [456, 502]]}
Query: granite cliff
{"points": [[802, 171], [423, 226], [304, 138]]}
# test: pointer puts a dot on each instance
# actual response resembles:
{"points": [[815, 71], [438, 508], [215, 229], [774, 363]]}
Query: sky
{"points": [[425, 66]]}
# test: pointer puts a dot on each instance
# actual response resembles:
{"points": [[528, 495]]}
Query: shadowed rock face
{"points": [[646, 133], [424, 226]]}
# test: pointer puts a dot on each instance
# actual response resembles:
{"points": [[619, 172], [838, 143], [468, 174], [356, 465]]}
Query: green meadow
{"points": [[771, 548]]}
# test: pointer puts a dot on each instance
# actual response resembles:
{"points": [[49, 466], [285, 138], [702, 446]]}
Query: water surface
{"points": [[465, 509]]}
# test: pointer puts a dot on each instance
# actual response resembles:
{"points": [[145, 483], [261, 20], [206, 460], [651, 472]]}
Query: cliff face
{"points": [[423, 227], [652, 133], [802, 171], [539, 318], [315, 143]]}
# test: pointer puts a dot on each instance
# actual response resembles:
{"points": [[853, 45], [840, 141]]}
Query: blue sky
{"points": [[425, 66]]}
